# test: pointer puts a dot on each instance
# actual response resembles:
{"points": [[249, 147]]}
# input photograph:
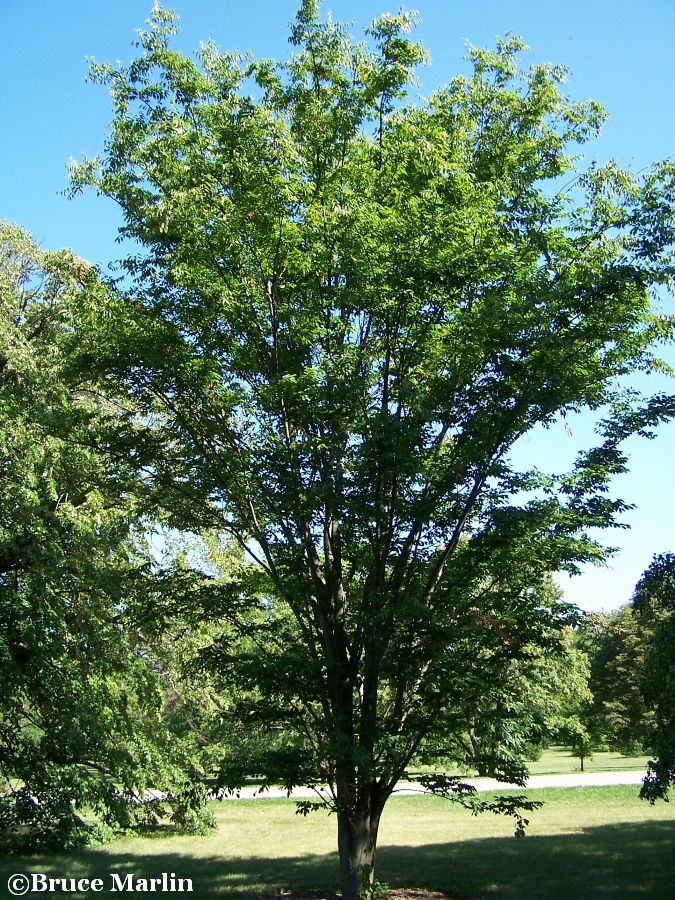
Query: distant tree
{"points": [[344, 308], [619, 715], [81, 707], [542, 697], [654, 605], [560, 696]]}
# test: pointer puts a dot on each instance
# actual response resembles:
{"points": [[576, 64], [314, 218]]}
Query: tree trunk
{"points": [[357, 842], [481, 768]]}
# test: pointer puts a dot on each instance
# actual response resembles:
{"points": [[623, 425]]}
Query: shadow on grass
{"points": [[613, 862]]}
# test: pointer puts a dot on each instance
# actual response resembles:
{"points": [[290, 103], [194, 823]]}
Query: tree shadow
{"points": [[610, 862]]}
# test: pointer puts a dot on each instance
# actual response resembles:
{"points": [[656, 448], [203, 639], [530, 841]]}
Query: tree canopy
{"points": [[654, 605], [82, 721], [343, 307], [619, 716]]}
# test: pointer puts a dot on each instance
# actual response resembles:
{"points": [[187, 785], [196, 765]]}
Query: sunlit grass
{"points": [[559, 760]]}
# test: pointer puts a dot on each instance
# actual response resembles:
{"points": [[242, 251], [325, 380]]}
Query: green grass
{"points": [[585, 843], [559, 760]]}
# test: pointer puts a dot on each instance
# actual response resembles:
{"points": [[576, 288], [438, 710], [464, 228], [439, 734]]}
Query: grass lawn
{"points": [[585, 843], [559, 760]]}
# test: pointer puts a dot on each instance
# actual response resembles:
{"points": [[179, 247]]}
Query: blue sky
{"points": [[620, 53]]}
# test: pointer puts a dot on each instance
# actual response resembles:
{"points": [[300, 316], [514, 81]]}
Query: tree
{"points": [[654, 605], [620, 717], [82, 721], [556, 686], [342, 309], [542, 697]]}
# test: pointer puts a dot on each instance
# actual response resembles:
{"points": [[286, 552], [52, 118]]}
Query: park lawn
{"points": [[585, 843], [559, 761]]}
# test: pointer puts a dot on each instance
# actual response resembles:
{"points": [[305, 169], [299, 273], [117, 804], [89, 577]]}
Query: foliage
{"points": [[80, 706], [555, 687], [632, 661], [541, 698], [654, 605], [536, 699], [343, 310], [619, 717]]}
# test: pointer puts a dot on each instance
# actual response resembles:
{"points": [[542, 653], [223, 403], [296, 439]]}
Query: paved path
{"points": [[578, 779], [575, 779]]}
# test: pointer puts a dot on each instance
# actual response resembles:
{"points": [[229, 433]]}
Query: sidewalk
{"points": [[535, 782]]}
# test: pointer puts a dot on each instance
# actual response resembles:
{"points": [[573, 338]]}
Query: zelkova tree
{"points": [[342, 309]]}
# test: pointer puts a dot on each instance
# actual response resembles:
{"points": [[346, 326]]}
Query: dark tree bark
{"points": [[357, 841]]}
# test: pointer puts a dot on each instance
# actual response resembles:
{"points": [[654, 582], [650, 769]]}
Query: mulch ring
{"points": [[390, 894], [417, 894]]}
